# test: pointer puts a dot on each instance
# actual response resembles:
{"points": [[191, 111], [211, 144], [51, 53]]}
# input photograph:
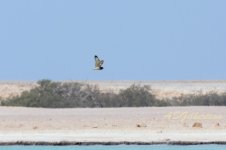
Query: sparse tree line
{"points": [[51, 94]]}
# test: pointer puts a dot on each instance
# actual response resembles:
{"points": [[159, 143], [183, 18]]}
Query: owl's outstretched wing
{"points": [[98, 62]]}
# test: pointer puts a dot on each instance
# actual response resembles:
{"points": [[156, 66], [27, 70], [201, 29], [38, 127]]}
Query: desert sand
{"points": [[114, 125], [20, 125]]}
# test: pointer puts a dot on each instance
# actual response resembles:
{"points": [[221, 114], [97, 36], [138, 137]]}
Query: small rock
{"points": [[217, 124], [197, 125], [141, 125]]}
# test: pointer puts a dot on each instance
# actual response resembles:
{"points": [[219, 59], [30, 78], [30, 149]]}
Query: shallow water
{"points": [[118, 147]]}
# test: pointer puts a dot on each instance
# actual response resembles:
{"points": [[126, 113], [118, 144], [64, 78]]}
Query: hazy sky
{"points": [[138, 39]]}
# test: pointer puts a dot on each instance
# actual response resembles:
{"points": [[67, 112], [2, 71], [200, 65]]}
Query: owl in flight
{"points": [[98, 63]]}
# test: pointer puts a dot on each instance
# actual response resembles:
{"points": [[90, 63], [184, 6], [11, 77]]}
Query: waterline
{"points": [[118, 147]]}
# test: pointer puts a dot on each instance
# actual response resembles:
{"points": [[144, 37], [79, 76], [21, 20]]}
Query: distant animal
{"points": [[98, 63]]}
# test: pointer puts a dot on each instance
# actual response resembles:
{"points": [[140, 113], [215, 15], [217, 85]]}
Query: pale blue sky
{"points": [[138, 39]]}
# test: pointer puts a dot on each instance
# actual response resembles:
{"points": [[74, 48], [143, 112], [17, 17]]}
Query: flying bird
{"points": [[98, 63]]}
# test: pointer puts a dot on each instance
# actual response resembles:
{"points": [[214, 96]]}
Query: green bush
{"points": [[135, 96], [71, 94], [208, 99], [59, 95], [53, 95]]}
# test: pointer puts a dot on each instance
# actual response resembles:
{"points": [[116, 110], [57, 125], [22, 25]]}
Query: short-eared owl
{"points": [[98, 63]]}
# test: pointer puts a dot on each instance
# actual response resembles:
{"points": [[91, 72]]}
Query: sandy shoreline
{"points": [[20, 125]]}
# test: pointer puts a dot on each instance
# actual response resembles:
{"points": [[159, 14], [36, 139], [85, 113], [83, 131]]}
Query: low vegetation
{"points": [[51, 94], [208, 99]]}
